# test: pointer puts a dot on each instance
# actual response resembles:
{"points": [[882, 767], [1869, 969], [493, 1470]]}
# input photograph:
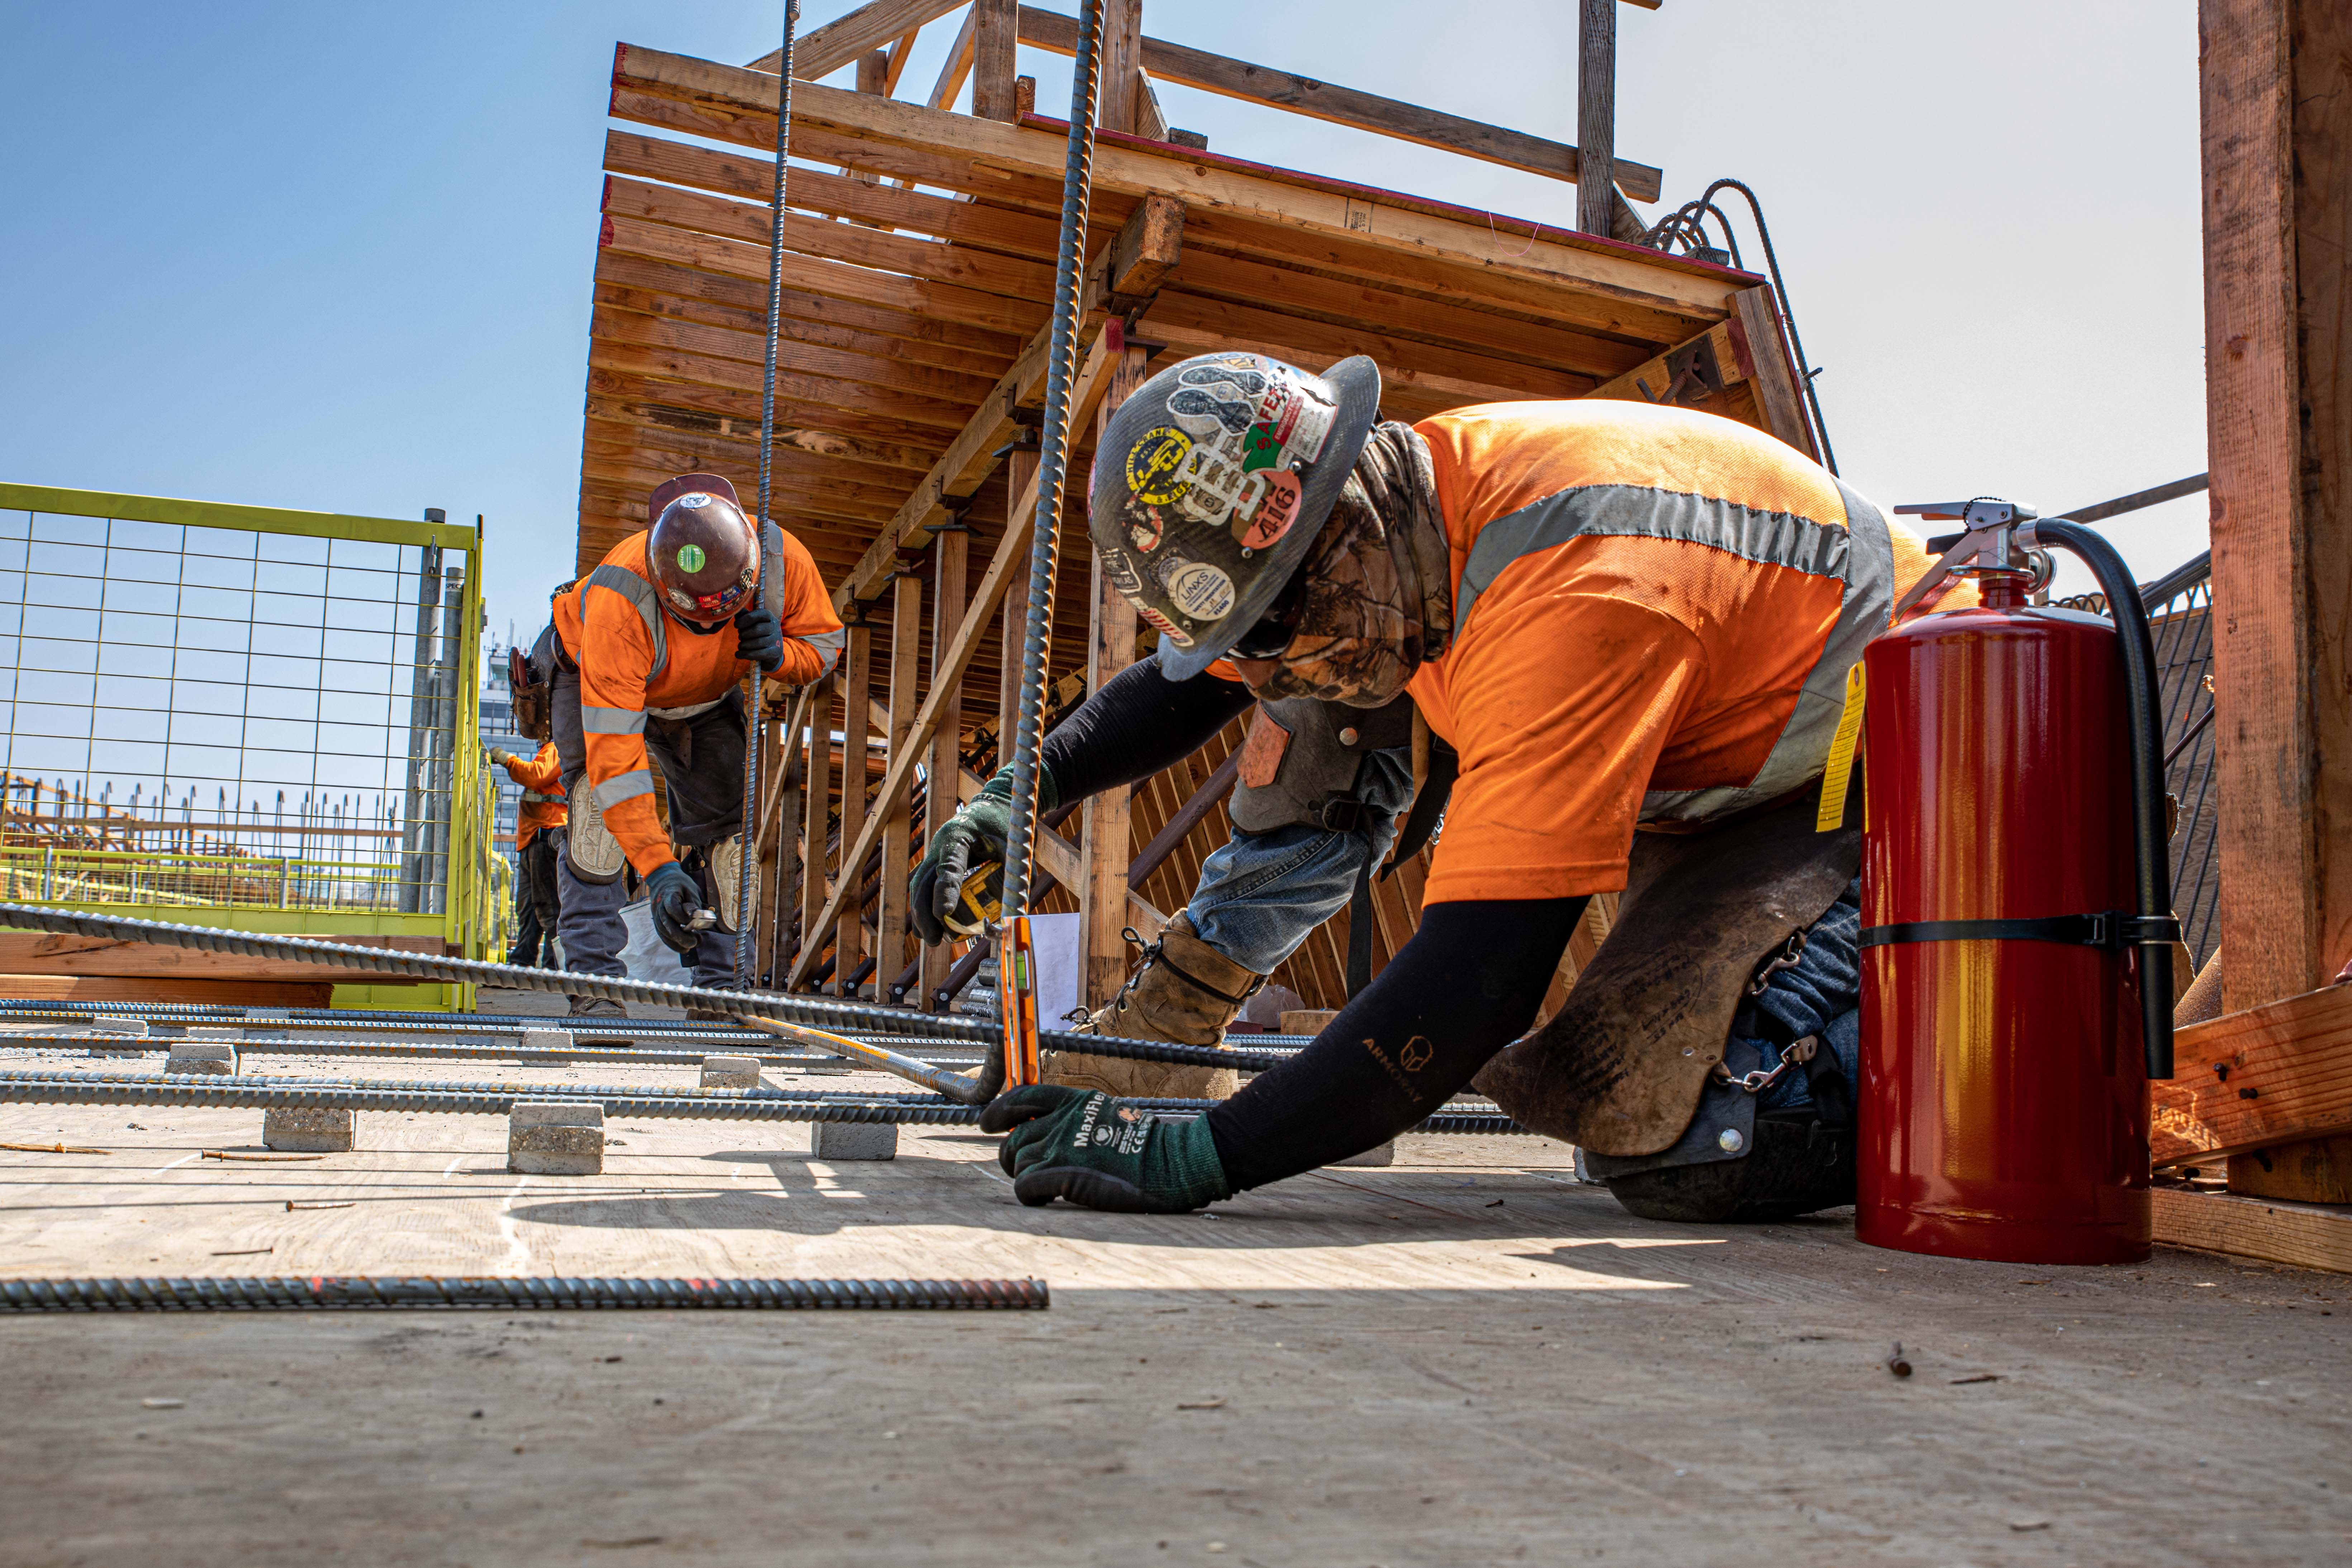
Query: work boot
{"points": [[600, 1008], [1185, 995]]}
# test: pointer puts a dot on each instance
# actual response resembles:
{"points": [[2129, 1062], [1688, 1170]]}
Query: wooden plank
{"points": [[2276, 222], [1656, 378], [2269, 1075], [1321, 214], [827, 49], [808, 318], [906, 674], [713, 433], [1230, 77], [817, 908], [957, 68], [1107, 841], [950, 549], [1021, 472], [35, 953], [972, 455], [1761, 344], [2302, 1235], [1011, 555], [864, 390], [839, 353], [2309, 1171], [1120, 61], [1596, 119], [857, 680], [736, 412]]}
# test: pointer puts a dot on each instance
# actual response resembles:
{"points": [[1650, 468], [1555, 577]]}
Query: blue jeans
{"points": [[1262, 894]]}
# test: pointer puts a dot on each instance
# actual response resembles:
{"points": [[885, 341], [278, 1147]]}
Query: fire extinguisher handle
{"points": [[2144, 721]]}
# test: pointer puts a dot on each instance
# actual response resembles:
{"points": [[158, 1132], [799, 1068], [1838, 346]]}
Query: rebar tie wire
{"points": [[362, 1292], [746, 914], [1053, 463]]}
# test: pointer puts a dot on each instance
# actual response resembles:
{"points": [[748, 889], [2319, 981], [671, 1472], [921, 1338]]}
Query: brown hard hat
{"points": [[702, 554], [669, 491]]}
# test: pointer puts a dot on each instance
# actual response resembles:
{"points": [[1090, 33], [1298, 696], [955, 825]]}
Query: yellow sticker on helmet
{"points": [[1154, 465]]}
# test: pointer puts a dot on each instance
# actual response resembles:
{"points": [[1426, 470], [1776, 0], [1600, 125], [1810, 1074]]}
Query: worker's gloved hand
{"points": [[501, 757], [759, 638], [1103, 1153], [959, 886], [676, 898]]}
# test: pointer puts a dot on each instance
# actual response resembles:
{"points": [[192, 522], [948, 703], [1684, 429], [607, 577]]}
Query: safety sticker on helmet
{"points": [[1121, 571], [1278, 509], [693, 502], [1261, 448], [1146, 527], [1154, 463], [1166, 628], [690, 558], [1201, 591]]}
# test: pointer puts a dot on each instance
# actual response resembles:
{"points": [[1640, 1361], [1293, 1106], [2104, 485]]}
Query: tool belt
{"points": [[1621, 1069], [1301, 761]]}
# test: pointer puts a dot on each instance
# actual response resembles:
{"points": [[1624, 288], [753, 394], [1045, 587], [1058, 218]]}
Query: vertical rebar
{"points": [[1053, 461], [746, 914]]}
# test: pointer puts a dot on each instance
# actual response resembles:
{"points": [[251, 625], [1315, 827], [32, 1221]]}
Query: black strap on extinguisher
{"points": [[2112, 929]]}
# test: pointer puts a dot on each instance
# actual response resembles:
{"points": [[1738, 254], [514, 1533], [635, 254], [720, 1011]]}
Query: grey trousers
{"points": [[701, 762]]}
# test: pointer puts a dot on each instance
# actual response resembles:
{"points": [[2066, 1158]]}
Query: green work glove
{"points": [[959, 886], [1103, 1153]]}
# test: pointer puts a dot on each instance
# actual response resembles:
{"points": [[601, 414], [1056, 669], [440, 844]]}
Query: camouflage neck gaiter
{"points": [[1380, 591]]}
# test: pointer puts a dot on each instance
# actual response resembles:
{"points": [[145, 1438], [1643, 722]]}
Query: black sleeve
{"points": [[1139, 722], [1467, 985]]}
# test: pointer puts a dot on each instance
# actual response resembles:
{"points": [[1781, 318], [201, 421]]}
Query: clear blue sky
{"points": [[338, 256]]}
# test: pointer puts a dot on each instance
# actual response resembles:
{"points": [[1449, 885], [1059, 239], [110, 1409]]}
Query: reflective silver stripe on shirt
{"points": [[828, 646], [1861, 556], [638, 592], [623, 786], [612, 721], [687, 712]]}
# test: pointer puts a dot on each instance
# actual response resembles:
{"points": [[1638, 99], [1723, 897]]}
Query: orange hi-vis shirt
{"points": [[1654, 612], [635, 659], [542, 793]]}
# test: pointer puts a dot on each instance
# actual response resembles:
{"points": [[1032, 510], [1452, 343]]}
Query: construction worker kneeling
{"points": [[656, 641], [1631, 622]]}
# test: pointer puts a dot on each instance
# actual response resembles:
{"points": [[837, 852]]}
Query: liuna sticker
{"points": [[1154, 463], [694, 500], [1278, 509], [1201, 591], [1165, 626]]}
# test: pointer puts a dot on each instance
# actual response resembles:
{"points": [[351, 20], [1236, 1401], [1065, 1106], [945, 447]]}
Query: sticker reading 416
{"points": [[1155, 466]]}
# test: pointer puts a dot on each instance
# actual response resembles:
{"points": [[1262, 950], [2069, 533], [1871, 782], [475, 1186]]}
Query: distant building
{"points": [[497, 730]]}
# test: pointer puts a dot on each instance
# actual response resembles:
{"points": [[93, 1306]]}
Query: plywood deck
{"points": [[1463, 1359]]}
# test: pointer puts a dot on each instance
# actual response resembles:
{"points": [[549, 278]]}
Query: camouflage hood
{"points": [[1378, 599]]}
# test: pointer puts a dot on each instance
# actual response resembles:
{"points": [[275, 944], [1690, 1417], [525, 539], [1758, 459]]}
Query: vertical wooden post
{"points": [[995, 33], [1596, 118], [949, 593], [905, 670], [772, 840], [2277, 154], [1108, 844], [856, 679], [816, 777], [1122, 66]]}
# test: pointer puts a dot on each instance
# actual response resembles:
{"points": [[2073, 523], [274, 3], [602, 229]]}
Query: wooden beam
{"points": [[1186, 817], [995, 34], [2273, 1074], [816, 802], [906, 674], [1011, 555], [856, 679], [1596, 118], [825, 50], [1469, 253], [957, 68], [950, 550], [1131, 266], [1107, 841], [1121, 62], [1021, 475], [1229, 77], [1761, 343], [2298, 1234], [2277, 156]]}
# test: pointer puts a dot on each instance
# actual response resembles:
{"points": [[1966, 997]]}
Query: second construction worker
{"points": [[655, 643], [539, 815]]}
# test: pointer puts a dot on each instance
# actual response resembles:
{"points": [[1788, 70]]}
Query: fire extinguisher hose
{"points": [[2156, 930]]}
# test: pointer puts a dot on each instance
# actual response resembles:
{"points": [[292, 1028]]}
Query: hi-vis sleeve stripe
{"points": [[612, 721], [828, 646], [623, 786]]}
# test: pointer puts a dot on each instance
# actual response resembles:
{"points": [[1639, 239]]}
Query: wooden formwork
{"points": [[918, 266]]}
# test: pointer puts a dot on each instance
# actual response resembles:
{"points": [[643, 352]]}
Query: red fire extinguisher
{"points": [[2017, 924]]}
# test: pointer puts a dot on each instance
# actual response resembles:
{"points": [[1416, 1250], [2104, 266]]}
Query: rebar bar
{"points": [[747, 913], [160, 1294]]}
